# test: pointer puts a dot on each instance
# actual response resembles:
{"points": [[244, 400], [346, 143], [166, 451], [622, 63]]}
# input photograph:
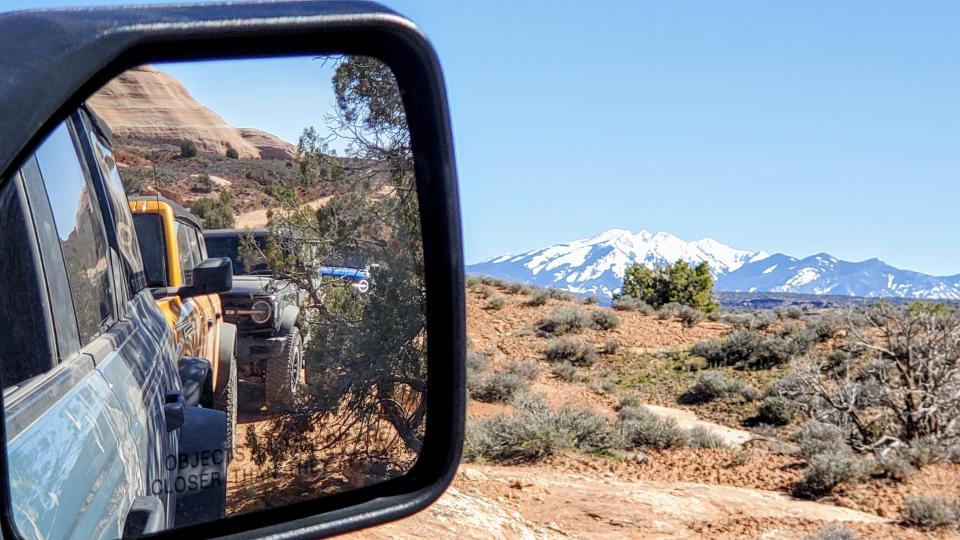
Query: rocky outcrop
{"points": [[146, 104]]}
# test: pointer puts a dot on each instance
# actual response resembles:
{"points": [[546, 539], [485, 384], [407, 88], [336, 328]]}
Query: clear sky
{"points": [[796, 127]]}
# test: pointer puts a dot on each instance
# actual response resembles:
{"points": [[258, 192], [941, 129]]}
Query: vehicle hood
{"points": [[250, 286]]}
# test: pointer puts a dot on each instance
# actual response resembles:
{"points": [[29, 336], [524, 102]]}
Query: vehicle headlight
{"points": [[261, 311]]}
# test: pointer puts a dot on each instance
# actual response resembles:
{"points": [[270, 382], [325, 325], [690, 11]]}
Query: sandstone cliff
{"points": [[146, 104]]}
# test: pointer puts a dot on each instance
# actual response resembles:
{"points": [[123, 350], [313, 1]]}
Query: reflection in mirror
{"points": [[172, 397]]}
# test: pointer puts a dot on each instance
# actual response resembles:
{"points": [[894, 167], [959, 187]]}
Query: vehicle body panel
{"points": [[195, 321]]}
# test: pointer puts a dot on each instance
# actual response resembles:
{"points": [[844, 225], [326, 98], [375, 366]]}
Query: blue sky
{"points": [[797, 127]]}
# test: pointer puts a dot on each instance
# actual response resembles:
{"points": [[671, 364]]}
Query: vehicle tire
{"points": [[285, 372], [227, 403], [227, 392]]}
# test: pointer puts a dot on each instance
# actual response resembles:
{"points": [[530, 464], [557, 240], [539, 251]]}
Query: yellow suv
{"points": [[171, 242]]}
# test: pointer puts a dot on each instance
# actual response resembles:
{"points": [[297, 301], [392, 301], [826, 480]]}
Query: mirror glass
{"points": [[155, 392]]}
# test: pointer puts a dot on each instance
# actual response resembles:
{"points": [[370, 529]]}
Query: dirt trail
{"points": [[688, 420], [258, 218], [536, 502]]}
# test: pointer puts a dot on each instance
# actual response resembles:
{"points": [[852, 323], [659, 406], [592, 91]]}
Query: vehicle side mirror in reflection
{"points": [[311, 417], [213, 275]]}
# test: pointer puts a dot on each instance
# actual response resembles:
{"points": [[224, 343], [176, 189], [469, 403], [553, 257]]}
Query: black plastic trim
{"points": [[52, 60]]}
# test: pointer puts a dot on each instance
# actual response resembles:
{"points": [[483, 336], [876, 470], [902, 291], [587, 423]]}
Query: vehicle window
{"points": [[201, 247], [245, 261], [82, 238], [195, 251], [186, 257], [149, 230], [27, 350], [117, 199]]}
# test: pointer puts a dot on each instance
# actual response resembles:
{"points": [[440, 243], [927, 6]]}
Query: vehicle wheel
{"points": [[285, 373], [228, 404]]}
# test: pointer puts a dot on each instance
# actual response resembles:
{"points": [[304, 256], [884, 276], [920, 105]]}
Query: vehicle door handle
{"points": [[144, 517], [209, 323], [174, 410]]}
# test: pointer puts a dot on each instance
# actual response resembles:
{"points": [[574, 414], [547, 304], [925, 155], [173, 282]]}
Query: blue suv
{"points": [[104, 435]]}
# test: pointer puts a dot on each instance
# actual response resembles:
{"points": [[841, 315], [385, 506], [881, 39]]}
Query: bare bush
{"points": [[610, 346], [477, 362], [485, 291], [825, 471], [524, 368], [817, 438], [776, 411], [906, 388]]}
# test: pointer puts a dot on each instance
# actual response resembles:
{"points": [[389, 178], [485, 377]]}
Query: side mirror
{"points": [[214, 275], [331, 483]]}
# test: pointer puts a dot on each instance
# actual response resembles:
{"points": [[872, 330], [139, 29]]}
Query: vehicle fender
{"points": [[288, 319], [228, 350], [196, 376], [201, 482]]}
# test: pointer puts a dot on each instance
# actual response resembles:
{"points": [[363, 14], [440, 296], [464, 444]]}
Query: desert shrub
{"points": [[827, 326], [472, 282], [701, 437], [629, 400], [833, 531], [564, 372], [232, 153], [477, 362], [535, 432], [713, 316], [496, 387], [215, 213], [493, 282], [523, 368], [604, 319], [610, 346], [816, 438], [603, 386], [776, 411], [926, 451], [710, 350], [668, 310], [538, 298], [689, 316], [516, 288], [739, 347], [590, 300], [930, 512], [629, 303], [188, 149], [763, 320], [741, 321], [573, 350], [904, 393], [791, 312], [894, 466], [485, 291], [496, 303], [713, 385], [541, 295], [640, 427], [825, 471], [564, 320], [678, 282]]}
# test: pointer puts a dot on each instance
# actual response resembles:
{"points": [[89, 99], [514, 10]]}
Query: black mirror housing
{"points": [[58, 58], [212, 276]]}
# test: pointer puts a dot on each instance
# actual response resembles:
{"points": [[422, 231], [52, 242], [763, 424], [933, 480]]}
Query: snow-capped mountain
{"points": [[596, 266], [823, 274]]}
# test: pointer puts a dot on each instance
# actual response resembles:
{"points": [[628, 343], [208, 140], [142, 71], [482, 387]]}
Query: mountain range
{"points": [[596, 266]]}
